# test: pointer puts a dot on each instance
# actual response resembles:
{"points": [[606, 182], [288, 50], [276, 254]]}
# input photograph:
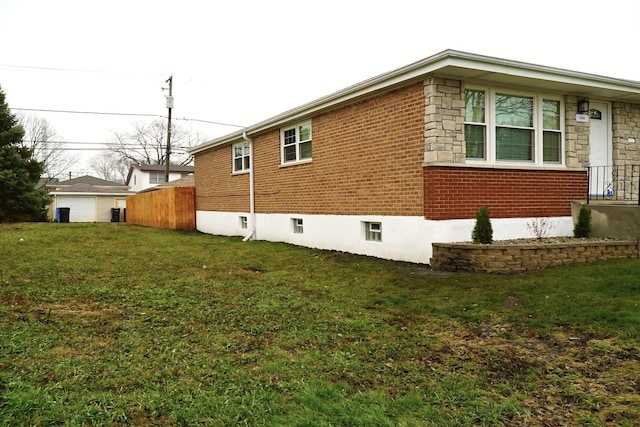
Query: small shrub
{"points": [[583, 225], [540, 226], [482, 231]]}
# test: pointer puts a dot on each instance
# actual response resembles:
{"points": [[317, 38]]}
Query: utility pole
{"points": [[169, 107]]}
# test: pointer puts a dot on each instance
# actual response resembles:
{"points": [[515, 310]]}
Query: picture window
{"points": [[513, 127]]}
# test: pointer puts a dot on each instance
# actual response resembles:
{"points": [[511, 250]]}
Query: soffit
{"points": [[540, 78], [461, 66]]}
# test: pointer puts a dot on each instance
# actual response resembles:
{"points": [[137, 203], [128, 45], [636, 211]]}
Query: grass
{"points": [[111, 324]]}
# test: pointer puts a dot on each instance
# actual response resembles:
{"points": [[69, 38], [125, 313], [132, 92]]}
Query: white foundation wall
{"points": [[403, 238]]}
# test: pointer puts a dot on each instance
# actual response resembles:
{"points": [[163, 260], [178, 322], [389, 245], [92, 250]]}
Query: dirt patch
{"points": [[573, 374]]}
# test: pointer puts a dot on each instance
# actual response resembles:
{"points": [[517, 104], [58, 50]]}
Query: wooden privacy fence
{"points": [[172, 208]]}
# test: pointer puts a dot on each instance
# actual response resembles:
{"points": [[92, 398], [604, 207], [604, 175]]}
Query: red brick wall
{"points": [[216, 188], [458, 192], [367, 159]]}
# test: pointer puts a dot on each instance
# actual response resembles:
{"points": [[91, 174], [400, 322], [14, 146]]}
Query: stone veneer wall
{"points": [[576, 135], [513, 258], [626, 124], [444, 121]]}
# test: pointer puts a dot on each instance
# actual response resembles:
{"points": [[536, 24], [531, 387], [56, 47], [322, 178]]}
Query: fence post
{"points": [[588, 183]]}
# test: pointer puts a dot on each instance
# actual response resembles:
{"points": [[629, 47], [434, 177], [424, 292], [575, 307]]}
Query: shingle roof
{"points": [[88, 179]]}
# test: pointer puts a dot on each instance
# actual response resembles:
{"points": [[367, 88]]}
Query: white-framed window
{"points": [[508, 126], [295, 142], [241, 157], [156, 177], [372, 231], [297, 225], [243, 222]]}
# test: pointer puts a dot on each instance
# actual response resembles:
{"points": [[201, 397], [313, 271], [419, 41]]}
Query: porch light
{"points": [[583, 106]]}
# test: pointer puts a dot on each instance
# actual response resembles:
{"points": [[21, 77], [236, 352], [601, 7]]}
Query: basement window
{"points": [[243, 222], [372, 231], [297, 225]]}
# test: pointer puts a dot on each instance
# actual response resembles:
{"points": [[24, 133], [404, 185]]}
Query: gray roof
{"points": [[87, 179]]}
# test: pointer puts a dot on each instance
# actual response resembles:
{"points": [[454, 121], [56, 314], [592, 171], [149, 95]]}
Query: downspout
{"points": [[252, 201]]}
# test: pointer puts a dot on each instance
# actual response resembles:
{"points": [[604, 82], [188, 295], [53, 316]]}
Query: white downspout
{"points": [[252, 202]]}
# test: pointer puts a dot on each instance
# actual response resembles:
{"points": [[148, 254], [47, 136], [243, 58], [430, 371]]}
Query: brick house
{"points": [[389, 165]]}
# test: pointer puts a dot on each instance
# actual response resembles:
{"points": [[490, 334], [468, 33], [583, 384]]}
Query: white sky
{"points": [[240, 62]]}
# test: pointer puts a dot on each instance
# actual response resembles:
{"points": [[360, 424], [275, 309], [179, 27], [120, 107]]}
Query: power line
{"points": [[86, 112], [126, 114], [26, 67]]}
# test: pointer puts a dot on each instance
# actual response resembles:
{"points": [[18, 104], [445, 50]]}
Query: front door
{"points": [[600, 149]]}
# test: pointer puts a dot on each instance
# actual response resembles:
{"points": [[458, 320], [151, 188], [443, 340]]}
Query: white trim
{"points": [[298, 141], [490, 128], [81, 194], [246, 152]]}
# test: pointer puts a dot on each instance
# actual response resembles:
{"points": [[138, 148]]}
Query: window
{"points": [[475, 132], [551, 133], [243, 222], [512, 127], [241, 157], [373, 231], [297, 225], [296, 143], [156, 177]]}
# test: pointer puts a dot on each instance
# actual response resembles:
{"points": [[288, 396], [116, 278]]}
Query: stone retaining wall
{"points": [[512, 258]]}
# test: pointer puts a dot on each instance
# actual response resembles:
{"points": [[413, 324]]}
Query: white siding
{"points": [[403, 238]]}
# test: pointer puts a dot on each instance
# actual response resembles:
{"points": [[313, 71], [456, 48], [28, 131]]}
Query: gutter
{"points": [[450, 59], [252, 201]]}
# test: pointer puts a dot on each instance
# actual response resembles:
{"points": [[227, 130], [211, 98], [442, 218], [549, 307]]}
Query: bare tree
{"points": [[45, 144], [110, 166], [146, 144]]}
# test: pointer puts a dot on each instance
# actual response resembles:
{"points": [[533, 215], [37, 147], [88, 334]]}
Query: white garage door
{"points": [[82, 209]]}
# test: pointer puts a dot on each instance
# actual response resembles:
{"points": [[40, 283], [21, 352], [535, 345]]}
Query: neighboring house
{"points": [[142, 177], [42, 182], [187, 181], [389, 165], [88, 198]]}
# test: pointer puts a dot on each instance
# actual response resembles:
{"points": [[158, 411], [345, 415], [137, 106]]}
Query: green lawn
{"points": [[112, 324]]}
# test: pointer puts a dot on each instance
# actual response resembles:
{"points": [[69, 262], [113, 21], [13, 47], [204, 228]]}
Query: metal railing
{"points": [[614, 183]]}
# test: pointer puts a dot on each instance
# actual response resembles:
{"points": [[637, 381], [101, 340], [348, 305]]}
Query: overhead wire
{"points": [[103, 113], [106, 113]]}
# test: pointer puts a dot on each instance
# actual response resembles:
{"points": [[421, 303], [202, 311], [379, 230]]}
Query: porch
{"points": [[614, 184], [614, 201]]}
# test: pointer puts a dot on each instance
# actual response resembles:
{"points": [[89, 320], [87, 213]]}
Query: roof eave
{"points": [[446, 60]]}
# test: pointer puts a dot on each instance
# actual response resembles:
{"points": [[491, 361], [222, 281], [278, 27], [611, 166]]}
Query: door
{"points": [[600, 145], [81, 209]]}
